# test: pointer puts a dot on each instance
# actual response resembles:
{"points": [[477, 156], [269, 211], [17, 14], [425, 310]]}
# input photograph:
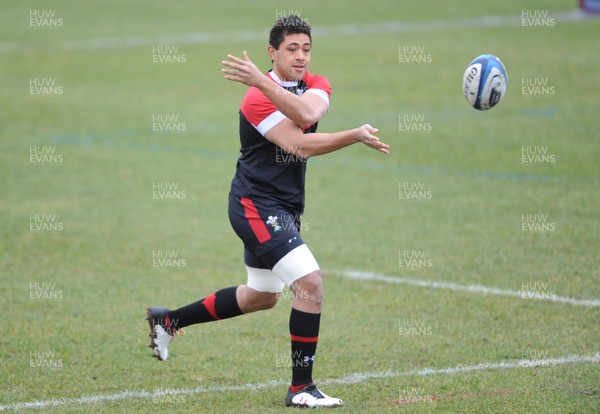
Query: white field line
{"points": [[350, 379], [525, 295], [344, 30]]}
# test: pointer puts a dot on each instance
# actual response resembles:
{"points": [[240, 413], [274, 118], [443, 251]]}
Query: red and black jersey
{"points": [[264, 171]]}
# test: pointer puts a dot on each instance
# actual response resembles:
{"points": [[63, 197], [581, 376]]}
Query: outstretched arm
{"points": [[292, 140], [304, 110]]}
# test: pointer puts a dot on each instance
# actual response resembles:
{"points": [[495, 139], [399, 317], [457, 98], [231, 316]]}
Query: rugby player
{"points": [[278, 119]]}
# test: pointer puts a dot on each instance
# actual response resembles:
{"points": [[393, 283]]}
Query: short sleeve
{"points": [[260, 111], [320, 86]]}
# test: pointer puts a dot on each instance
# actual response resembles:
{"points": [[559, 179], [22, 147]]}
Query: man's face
{"points": [[290, 61]]}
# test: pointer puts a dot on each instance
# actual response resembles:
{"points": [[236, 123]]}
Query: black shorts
{"points": [[268, 233]]}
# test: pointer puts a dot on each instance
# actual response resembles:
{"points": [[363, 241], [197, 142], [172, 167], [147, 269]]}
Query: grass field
{"points": [[412, 245]]}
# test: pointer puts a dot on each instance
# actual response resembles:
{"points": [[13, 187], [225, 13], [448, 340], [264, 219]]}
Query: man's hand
{"points": [[242, 70], [304, 110], [365, 135]]}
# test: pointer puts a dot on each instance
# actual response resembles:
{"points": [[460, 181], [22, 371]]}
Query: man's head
{"points": [[289, 47], [288, 25]]}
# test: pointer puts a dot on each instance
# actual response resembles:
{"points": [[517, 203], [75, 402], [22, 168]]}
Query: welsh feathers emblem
{"points": [[273, 221]]}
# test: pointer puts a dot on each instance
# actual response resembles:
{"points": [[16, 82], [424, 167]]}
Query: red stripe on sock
{"points": [[296, 388], [304, 338], [256, 223], [209, 303], [168, 325]]}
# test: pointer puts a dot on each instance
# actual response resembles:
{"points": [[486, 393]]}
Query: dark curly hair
{"points": [[288, 25]]}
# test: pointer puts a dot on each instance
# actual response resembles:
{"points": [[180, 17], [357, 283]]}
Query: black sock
{"points": [[304, 332], [219, 305]]}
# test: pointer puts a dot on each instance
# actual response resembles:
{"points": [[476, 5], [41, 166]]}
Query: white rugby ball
{"points": [[484, 82]]}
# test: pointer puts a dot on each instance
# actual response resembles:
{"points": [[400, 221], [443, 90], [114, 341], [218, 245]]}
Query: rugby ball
{"points": [[484, 82]]}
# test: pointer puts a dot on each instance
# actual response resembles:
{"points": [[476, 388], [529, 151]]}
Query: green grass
{"points": [[101, 261]]}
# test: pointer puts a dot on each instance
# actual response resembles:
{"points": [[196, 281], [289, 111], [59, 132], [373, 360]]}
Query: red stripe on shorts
{"points": [[256, 223]]}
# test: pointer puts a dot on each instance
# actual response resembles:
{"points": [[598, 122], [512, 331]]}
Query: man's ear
{"points": [[271, 51]]}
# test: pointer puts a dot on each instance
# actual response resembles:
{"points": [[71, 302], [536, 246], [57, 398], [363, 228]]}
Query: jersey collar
{"points": [[285, 84]]}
